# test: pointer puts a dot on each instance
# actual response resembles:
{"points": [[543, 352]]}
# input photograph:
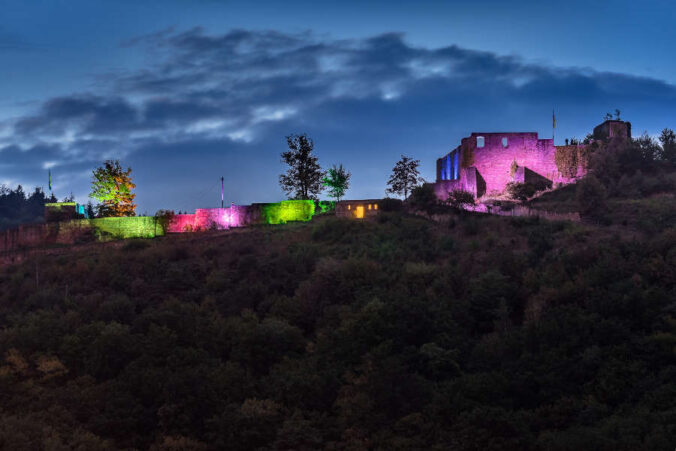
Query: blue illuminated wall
{"points": [[450, 167]]}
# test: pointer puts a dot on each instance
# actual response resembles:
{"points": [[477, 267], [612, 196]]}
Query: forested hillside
{"points": [[482, 333]]}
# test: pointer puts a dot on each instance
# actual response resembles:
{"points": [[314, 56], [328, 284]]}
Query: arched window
{"points": [[480, 141], [504, 142]]}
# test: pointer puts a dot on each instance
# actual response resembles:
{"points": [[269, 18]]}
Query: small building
{"points": [[357, 209]]}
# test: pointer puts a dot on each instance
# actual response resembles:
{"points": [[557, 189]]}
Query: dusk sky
{"points": [[185, 92]]}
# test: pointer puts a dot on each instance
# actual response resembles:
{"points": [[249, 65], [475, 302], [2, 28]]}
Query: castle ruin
{"points": [[484, 163]]}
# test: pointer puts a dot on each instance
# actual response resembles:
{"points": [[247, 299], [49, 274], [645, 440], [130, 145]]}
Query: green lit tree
{"points": [[303, 178], [405, 176], [337, 180], [112, 186]]}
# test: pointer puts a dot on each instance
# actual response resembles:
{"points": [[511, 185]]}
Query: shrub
{"points": [[460, 199], [391, 204], [591, 196], [521, 191], [423, 198]]}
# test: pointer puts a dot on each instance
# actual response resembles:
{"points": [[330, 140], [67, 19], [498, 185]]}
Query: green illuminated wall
{"points": [[288, 210], [129, 227], [114, 228]]}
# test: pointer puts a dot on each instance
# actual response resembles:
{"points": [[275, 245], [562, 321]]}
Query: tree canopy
{"points": [[303, 178], [337, 180], [112, 187], [405, 176], [18, 208]]}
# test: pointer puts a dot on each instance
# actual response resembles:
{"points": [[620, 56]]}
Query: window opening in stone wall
{"points": [[504, 142], [480, 141]]}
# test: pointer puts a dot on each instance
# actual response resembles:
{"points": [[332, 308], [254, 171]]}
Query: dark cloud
{"points": [[208, 100]]}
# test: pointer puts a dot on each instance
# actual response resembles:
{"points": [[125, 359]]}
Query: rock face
{"points": [[484, 163]]}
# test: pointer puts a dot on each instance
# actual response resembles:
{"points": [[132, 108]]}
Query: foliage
{"points": [[668, 146], [326, 206], [391, 204], [303, 178], [337, 179], [460, 199], [424, 199], [591, 196], [112, 186], [18, 208], [501, 333], [405, 176], [521, 191]]}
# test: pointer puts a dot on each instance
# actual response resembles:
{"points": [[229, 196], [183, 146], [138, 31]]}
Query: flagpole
{"points": [[553, 125]]}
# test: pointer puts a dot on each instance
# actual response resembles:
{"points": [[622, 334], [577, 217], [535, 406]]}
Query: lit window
{"points": [[504, 142], [375, 207], [369, 206], [349, 207], [480, 141]]}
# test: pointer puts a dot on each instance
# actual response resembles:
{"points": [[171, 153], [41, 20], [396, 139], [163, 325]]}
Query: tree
{"points": [[303, 179], [424, 198], [90, 210], [111, 186], [337, 179], [668, 142], [404, 176], [647, 148]]}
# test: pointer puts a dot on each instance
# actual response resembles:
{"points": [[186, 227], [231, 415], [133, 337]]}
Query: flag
{"points": [[553, 120], [50, 180]]}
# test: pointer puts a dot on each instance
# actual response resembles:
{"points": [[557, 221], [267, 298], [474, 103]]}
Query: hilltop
{"points": [[483, 332]]}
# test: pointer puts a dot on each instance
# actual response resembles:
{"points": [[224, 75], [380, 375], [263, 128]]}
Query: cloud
{"points": [[365, 99]]}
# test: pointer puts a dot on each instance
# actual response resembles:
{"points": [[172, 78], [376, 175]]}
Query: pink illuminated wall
{"points": [[214, 218], [210, 218], [487, 169]]}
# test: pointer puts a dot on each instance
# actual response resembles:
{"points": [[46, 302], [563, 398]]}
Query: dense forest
{"points": [[467, 332], [18, 208]]}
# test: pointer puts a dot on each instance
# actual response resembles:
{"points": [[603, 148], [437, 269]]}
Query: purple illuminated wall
{"points": [[487, 169], [210, 218]]}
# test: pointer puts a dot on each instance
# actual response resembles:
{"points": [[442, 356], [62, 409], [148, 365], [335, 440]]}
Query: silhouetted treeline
{"points": [[18, 207]]}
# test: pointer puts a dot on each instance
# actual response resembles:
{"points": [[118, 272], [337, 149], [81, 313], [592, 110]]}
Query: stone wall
{"points": [[79, 230], [242, 216], [612, 129], [468, 181]]}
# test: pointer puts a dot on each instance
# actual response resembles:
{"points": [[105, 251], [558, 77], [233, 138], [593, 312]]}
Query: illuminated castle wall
{"points": [[243, 215], [80, 231], [483, 162], [103, 229]]}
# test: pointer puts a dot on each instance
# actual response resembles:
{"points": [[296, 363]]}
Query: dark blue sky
{"points": [[185, 92]]}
